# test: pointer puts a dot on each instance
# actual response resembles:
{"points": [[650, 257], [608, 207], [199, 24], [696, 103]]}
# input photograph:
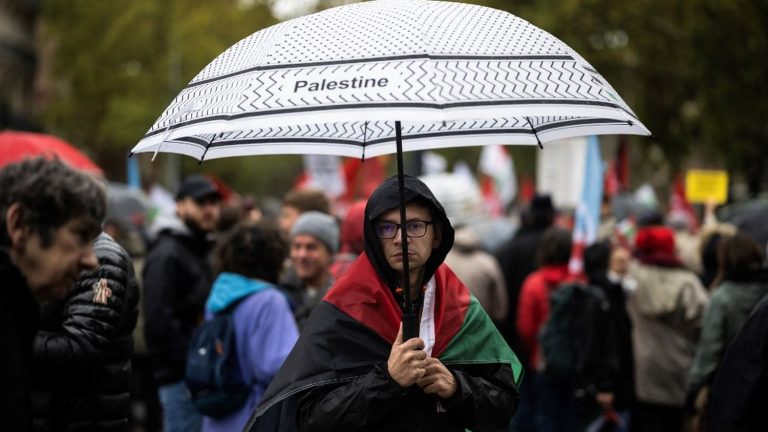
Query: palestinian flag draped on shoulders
{"points": [[355, 325]]}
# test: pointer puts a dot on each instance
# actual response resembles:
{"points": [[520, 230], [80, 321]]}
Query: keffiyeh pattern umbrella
{"points": [[336, 81]]}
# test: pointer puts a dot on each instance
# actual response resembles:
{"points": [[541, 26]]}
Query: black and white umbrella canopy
{"points": [[336, 81]]}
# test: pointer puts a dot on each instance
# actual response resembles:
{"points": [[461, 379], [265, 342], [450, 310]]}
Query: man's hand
{"points": [[437, 379], [406, 360]]}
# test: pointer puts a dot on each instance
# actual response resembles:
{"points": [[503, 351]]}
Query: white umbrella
{"points": [[354, 80], [334, 82]]}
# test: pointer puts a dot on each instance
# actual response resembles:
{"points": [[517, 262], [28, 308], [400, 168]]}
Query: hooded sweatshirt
{"points": [[666, 311], [336, 377], [264, 333]]}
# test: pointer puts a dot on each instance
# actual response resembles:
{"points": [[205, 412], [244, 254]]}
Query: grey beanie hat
{"points": [[320, 225]]}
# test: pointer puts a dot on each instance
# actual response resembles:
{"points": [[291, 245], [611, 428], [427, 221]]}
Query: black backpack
{"points": [[568, 335], [212, 373]]}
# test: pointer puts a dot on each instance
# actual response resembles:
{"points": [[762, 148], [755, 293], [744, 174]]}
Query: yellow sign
{"points": [[703, 186]]}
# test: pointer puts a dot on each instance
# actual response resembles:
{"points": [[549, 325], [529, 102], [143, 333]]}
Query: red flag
{"points": [[679, 207], [617, 174], [363, 177]]}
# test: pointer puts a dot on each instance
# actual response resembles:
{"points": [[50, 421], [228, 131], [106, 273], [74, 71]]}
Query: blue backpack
{"points": [[212, 373]]}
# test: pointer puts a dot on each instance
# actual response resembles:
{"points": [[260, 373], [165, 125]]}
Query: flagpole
{"points": [[410, 317]]}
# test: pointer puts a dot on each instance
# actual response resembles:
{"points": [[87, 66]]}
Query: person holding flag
{"points": [[352, 369]]}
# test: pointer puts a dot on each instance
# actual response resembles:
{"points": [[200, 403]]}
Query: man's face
{"points": [[288, 216], [53, 270], [311, 259], [419, 248], [204, 212], [619, 262]]}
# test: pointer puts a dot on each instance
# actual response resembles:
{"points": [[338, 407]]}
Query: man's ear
{"points": [[180, 207], [438, 236], [14, 226]]}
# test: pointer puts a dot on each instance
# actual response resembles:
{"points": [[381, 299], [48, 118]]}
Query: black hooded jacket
{"points": [[177, 280], [485, 396], [81, 365]]}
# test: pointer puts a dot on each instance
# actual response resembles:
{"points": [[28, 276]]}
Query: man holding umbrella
{"points": [[363, 374]]}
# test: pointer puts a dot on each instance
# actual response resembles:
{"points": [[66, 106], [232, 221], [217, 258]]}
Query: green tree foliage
{"points": [[119, 63], [694, 71]]}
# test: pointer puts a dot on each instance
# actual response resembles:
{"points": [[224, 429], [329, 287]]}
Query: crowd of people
{"points": [[216, 320]]}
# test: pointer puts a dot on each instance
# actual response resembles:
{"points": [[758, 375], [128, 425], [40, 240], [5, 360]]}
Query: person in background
{"points": [[294, 204], [708, 245], [248, 260], [666, 311], [517, 259], [314, 240], [742, 282], [480, 272], [49, 215], [686, 240], [740, 390], [613, 376], [177, 278], [299, 201], [82, 354], [352, 242], [553, 254]]}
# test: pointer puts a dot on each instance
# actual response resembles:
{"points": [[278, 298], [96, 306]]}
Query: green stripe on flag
{"points": [[478, 342]]}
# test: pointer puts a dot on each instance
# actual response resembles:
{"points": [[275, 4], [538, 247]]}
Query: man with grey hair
{"points": [[49, 214], [314, 240]]}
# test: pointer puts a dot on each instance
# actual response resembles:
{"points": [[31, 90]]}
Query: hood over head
{"points": [[385, 198]]}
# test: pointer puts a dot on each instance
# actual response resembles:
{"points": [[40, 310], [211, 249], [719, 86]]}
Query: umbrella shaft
{"points": [[404, 242]]}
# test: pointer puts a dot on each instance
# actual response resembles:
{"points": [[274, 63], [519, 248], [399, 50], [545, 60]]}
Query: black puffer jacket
{"points": [[81, 370], [18, 323]]}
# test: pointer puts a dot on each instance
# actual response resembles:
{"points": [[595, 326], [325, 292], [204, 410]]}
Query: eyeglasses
{"points": [[387, 230]]}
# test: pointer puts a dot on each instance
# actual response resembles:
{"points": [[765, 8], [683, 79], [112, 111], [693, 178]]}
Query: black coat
{"points": [[740, 391], [177, 280], [18, 323], [82, 353], [517, 259], [612, 366]]}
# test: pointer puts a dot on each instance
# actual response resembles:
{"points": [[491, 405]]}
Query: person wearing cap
{"points": [[353, 369], [314, 240], [177, 279]]}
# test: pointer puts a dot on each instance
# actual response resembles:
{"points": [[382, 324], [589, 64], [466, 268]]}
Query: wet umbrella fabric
{"points": [[17, 146], [336, 81]]}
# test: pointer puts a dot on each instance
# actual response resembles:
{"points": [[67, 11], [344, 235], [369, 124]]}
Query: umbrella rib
{"points": [[528, 119], [205, 152], [365, 137]]}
